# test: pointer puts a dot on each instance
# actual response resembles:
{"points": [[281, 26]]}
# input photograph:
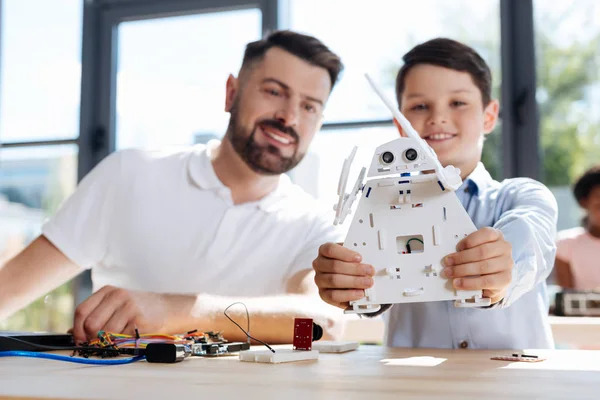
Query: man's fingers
{"points": [[484, 267], [85, 309], [477, 238], [328, 266], [338, 281], [498, 280], [119, 320], [341, 298], [338, 252], [112, 303]]}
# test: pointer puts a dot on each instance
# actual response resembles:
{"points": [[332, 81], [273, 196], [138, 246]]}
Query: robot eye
{"points": [[411, 154], [387, 157]]}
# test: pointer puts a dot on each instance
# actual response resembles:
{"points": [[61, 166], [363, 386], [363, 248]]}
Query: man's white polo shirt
{"points": [[165, 223]]}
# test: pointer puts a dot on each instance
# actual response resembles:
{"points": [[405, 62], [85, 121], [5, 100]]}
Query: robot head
{"points": [[400, 156]]}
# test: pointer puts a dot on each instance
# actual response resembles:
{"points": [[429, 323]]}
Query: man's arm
{"points": [[271, 318], [32, 273]]}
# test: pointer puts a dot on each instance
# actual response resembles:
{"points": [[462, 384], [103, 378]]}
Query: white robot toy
{"points": [[408, 219]]}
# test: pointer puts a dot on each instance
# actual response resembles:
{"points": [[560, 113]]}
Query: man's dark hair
{"points": [[450, 54], [588, 181], [305, 47]]}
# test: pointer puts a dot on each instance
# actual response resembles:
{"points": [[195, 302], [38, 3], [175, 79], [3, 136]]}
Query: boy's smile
{"points": [[445, 107]]}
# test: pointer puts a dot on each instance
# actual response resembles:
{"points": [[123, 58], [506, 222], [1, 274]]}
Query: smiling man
{"points": [[173, 239]]}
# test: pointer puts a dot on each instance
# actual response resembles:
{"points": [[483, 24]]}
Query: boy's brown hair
{"points": [[450, 54]]}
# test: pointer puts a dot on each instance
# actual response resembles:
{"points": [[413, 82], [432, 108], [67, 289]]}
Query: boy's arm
{"points": [[529, 224]]}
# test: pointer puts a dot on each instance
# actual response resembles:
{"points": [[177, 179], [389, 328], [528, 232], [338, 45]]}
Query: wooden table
{"points": [[576, 332], [371, 372]]}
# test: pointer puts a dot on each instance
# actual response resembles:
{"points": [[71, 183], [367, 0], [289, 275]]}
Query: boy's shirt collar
{"points": [[478, 181]]}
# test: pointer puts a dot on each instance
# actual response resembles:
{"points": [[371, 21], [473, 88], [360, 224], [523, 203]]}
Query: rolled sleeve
{"points": [[80, 228]]}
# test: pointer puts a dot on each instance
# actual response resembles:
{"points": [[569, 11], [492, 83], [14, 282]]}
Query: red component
{"points": [[303, 329]]}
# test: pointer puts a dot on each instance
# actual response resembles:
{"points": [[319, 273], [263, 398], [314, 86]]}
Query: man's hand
{"points": [[483, 261], [120, 311], [340, 276]]}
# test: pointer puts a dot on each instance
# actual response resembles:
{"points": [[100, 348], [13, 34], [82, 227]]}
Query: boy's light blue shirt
{"points": [[525, 211]]}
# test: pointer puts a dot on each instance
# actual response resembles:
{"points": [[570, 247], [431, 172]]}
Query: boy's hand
{"points": [[483, 261], [340, 276]]}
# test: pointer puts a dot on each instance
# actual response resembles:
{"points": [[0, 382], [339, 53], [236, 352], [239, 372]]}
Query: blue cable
{"points": [[79, 360]]}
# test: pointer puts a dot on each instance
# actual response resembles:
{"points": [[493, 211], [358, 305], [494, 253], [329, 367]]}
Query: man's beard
{"points": [[267, 159]]}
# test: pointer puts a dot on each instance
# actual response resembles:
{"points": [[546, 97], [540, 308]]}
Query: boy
{"points": [[444, 89]]}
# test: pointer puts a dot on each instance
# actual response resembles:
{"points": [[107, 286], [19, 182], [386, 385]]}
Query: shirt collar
{"points": [[200, 168], [478, 180], [202, 173]]}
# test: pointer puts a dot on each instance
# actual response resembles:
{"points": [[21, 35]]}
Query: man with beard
{"points": [[173, 239]]}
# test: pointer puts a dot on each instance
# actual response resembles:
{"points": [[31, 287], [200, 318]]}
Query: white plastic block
{"points": [[280, 356], [331, 346]]}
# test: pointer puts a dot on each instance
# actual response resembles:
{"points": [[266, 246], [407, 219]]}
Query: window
{"points": [[33, 183], [39, 101], [172, 74], [41, 70], [568, 93]]}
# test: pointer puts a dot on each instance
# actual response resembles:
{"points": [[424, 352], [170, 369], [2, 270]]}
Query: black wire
{"points": [[248, 331], [53, 348]]}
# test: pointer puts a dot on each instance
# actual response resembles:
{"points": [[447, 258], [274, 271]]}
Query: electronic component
{"points": [[305, 331], [331, 346], [577, 303], [156, 348], [195, 344], [167, 353], [213, 349], [280, 356], [519, 358], [34, 341]]}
